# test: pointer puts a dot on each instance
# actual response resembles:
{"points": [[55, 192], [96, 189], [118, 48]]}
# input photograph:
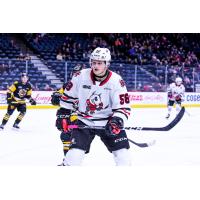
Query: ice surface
{"points": [[38, 142]]}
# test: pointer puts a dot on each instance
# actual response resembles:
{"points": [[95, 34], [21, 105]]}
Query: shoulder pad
{"points": [[76, 74]]}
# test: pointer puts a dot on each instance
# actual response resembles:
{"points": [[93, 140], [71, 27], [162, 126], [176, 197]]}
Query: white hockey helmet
{"points": [[178, 80], [101, 54]]}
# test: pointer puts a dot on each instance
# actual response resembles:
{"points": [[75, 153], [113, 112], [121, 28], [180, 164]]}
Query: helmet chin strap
{"points": [[101, 78]]}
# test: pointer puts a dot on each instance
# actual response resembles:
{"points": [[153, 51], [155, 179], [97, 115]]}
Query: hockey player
{"points": [[55, 97], [102, 101], [55, 100], [16, 95], [175, 93]]}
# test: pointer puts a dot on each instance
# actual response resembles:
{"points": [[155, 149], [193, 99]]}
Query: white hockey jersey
{"points": [[97, 101], [175, 90]]}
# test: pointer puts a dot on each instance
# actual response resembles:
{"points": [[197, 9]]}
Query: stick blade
{"points": [[170, 125]]}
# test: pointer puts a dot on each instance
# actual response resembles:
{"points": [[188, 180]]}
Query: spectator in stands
{"points": [[139, 87], [4, 68], [59, 56], [148, 88], [35, 87], [48, 88], [27, 57], [21, 57], [118, 42], [155, 61], [187, 80], [12, 44]]}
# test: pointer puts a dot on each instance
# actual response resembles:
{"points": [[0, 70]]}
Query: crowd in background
{"points": [[179, 52], [141, 49]]}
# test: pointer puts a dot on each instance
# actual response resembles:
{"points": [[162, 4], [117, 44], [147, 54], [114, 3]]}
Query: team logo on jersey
{"points": [[106, 88], [120, 139], [94, 103], [22, 93], [122, 83], [87, 86]]}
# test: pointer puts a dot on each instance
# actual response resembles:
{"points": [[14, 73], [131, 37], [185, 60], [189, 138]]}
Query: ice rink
{"points": [[38, 142]]}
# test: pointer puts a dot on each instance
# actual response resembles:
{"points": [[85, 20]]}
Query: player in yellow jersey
{"points": [[55, 100], [17, 93]]}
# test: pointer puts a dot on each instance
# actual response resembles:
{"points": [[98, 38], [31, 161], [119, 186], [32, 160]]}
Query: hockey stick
{"points": [[142, 144], [165, 128], [17, 102]]}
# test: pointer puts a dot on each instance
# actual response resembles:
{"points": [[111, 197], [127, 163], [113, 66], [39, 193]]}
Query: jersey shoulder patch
{"points": [[122, 83], [69, 85], [77, 73]]}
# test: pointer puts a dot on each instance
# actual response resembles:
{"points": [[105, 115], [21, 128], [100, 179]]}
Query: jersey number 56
{"points": [[124, 98]]}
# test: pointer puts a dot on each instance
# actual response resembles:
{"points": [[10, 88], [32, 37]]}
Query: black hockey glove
{"points": [[9, 101], [178, 97], [9, 98], [55, 98], [32, 101], [114, 126], [64, 119]]}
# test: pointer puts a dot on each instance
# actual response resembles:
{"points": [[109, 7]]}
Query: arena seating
{"points": [[148, 53], [15, 68], [7, 49]]}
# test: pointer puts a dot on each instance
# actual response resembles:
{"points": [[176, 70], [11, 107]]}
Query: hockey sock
{"points": [[169, 109], [19, 118], [66, 140], [5, 119], [66, 146]]}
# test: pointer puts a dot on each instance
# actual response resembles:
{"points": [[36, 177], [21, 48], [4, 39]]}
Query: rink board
{"points": [[137, 100]]}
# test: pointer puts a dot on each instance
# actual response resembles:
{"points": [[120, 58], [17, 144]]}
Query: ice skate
{"points": [[1, 127], [62, 164], [168, 115], [16, 127]]}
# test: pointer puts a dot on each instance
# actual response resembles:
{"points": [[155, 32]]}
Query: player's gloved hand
{"points": [[64, 119], [114, 126], [9, 101], [178, 98], [55, 98], [32, 101], [169, 94], [9, 98]]}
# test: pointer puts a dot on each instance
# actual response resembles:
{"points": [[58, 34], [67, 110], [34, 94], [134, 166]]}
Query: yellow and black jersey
{"points": [[19, 91], [61, 90], [76, 71]]}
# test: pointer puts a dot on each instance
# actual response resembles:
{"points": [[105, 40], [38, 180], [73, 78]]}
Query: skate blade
{"points": [[15, 129]]}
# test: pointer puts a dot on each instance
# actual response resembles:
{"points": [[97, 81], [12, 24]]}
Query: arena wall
{"points": [[137, 99]]}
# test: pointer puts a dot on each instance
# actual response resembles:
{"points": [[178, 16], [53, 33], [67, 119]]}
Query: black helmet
{"points": [[24, 74], [76, 69]]}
